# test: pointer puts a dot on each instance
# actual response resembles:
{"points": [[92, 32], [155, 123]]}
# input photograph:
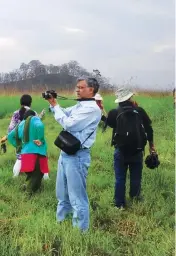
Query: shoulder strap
{"points": [[26, 130], [25, 135], [126, 109], [18, 141], [122, 110], [88, 137]]}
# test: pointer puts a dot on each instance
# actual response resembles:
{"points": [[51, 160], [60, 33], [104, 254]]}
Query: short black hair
{"points": [[91, 82], [26, 100]]}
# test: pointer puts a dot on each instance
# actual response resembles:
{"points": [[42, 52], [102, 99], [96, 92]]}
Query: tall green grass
{"points": [[29, 228]]}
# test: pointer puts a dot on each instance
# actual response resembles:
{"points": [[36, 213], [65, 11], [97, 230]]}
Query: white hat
{"points": [[123, 94], [98, 97]]}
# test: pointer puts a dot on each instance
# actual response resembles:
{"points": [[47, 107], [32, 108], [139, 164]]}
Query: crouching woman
{"points": [[28, 138]]}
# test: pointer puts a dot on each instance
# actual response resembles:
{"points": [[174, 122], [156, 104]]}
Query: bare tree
{"points": [[12, 75], [24, 70]]}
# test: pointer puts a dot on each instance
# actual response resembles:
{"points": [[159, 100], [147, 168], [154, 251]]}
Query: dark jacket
{"points": [[111, 120]]}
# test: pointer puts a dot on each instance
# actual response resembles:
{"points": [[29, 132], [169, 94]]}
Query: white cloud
{"points": [[7, 42], [73, 30], [157, 8], [163, 47]]}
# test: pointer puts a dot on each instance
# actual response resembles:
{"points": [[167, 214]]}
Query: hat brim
{"points": [[127, 97], [99, 98]]}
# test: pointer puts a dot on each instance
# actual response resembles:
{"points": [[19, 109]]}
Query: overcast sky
{"points": [[121, 38]]}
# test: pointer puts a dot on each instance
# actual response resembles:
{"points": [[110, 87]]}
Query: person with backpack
{"points": [[131, 131], [28, 139]]}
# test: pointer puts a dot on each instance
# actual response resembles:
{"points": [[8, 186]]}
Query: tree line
{"points": [[34, 75]]}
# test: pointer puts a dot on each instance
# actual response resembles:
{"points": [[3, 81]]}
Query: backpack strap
{"points": [[122, 110], [25, 135], [26, 130], [18, 141]]}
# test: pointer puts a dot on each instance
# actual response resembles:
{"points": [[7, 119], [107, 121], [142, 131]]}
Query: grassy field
{"points": [[29, 228]]}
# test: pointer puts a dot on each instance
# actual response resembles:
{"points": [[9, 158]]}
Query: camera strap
{"points": [[82, 99], [87, 137], [87, 99]]}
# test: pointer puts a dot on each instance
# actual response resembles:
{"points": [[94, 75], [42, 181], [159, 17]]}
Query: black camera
{"points": [[49, 94]]}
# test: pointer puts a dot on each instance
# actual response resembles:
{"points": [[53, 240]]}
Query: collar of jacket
{"points": [[86, 99], [126, 103]]}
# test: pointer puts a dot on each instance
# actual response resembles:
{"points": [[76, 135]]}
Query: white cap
{"points": [[98, 97], [123, 94]]}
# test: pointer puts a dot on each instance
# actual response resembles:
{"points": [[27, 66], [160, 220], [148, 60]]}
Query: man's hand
{"points": [[152, 148], [37, 142], [53, 102], [42, 114], [104, 112]]}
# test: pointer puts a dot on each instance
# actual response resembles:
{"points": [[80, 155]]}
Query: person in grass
{"points": [[174, 96], [99, 101], [28, 139], [81, 121], [17, 117], [131, 130]]}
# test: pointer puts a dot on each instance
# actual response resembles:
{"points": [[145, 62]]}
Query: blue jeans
{"points": [[71, 188], [121, 165]]}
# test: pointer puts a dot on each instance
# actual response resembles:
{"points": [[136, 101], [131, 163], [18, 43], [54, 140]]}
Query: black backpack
{"points": [[129, 134]]}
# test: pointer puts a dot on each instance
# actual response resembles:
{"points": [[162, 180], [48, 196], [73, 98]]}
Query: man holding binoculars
{"points": [[80, 122]]}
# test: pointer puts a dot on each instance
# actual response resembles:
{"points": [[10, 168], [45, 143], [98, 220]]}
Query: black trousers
{"points": [[34, 178]]}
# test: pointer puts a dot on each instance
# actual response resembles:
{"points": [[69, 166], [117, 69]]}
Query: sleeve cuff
{"points": [[54, 108], [57, 107]]}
